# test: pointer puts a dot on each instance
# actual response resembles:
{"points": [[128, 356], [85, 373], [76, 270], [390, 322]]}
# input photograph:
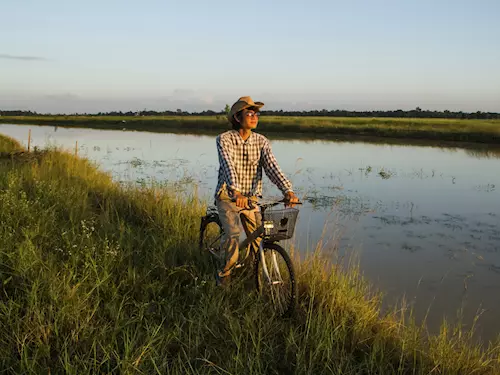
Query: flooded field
{"points": [[424, 222]]}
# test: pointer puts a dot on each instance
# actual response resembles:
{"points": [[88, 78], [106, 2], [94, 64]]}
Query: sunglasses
{"points": [[252, 114]]}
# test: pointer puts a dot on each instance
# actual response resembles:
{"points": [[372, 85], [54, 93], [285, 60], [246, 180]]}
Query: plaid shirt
{"points": [[241, 164]]}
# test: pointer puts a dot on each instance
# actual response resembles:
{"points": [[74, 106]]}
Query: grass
{"points": [[99, 278], [451, 130]]}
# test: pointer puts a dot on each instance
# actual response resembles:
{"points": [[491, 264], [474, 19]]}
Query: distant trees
{"points": [[18, 113], [414, 113]]}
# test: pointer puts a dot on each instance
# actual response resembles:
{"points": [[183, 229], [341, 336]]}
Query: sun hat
{"points": [[243, 103]]}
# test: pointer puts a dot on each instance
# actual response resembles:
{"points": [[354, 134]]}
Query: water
{"points": [[424, 222]]}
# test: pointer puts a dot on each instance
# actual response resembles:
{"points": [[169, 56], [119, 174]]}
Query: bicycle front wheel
{"points": [[275, 279]]}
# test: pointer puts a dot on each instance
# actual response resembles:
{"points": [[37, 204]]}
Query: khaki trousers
{"points": [[229, 215]]}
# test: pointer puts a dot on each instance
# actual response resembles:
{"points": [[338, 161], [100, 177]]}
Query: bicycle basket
{"points": [[280, 224]]}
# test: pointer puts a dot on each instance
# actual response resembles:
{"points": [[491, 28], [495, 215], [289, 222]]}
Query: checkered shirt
{"points": [[241, 163]]}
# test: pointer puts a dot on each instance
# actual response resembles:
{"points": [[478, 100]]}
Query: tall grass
{"points": [[98, 278], [8, 145], [481, 131]]}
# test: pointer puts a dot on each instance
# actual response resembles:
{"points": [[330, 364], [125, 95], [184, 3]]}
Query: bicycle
{"points": [[272, 266]]}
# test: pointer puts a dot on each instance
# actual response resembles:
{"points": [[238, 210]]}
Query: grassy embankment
{"points": [[97, 278], [481, 131]]}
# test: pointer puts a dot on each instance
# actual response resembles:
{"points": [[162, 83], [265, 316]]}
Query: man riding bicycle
{"points": [[242, 156]]}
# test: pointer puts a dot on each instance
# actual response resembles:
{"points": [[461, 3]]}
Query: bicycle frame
{"points": [[258, 233], [273, 269], [244, 245]]}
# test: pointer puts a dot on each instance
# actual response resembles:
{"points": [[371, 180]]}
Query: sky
{"points": [[60, 56]]}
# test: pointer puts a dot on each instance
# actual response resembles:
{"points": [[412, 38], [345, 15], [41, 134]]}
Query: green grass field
{"points": [[482, 131], [100, 278]]}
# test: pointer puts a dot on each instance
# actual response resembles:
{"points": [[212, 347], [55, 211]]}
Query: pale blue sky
{"points": [[68, 56]]}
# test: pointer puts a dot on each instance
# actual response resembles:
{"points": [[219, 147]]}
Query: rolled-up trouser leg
{"points": [[229, 217]]}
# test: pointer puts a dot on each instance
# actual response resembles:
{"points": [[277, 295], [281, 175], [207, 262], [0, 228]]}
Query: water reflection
{"points": [[474, 149], [477, 150], [489, 153]]}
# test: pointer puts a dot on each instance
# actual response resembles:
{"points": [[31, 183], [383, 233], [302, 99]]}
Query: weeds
{"points": [[99, 278]]}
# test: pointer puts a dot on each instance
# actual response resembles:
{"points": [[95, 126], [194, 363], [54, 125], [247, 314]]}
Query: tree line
{"points": [[399, 113]]}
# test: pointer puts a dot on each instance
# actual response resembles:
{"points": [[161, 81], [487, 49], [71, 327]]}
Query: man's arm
{"points": [[273, 170], [224, 152]]}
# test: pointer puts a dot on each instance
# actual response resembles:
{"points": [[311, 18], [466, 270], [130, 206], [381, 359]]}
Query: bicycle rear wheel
{"points": [[279, 288], [211, 233]]}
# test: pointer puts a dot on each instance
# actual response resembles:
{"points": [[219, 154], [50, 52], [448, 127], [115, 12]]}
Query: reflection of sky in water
{"points": [[429, 228]]}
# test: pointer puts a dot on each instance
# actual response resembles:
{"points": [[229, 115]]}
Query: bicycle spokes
{"points": [[275, 278], [276, 270], [212, 237]]}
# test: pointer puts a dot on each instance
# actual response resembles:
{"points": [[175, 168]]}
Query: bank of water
{"points": [[424, 222]]}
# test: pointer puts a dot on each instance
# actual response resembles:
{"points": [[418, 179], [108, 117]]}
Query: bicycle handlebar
{"points": [[269, 204]]}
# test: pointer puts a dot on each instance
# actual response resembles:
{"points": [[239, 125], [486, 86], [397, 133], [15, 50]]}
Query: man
{"points": [[242, 156]]}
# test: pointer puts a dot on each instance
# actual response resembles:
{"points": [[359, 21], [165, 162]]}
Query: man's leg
{"points": [[251, 220], [229, 217]]}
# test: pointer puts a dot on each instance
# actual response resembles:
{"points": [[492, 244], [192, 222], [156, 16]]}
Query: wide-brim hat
{"points": [[243, 103]]}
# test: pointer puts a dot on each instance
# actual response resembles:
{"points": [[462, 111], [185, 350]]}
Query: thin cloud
{"points": [[22, 58]]}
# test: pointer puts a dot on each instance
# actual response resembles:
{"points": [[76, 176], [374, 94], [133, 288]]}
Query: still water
{"points": [[424, 222]]}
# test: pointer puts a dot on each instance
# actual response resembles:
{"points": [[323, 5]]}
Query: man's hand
{"points": [[290, 199], [241, 200]]}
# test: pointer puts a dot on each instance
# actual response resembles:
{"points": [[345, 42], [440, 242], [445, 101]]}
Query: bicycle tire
{"points": [[283, 307], [205, 222]]}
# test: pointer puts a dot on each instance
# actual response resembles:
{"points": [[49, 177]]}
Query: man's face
{"points": [[249, 119]]}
